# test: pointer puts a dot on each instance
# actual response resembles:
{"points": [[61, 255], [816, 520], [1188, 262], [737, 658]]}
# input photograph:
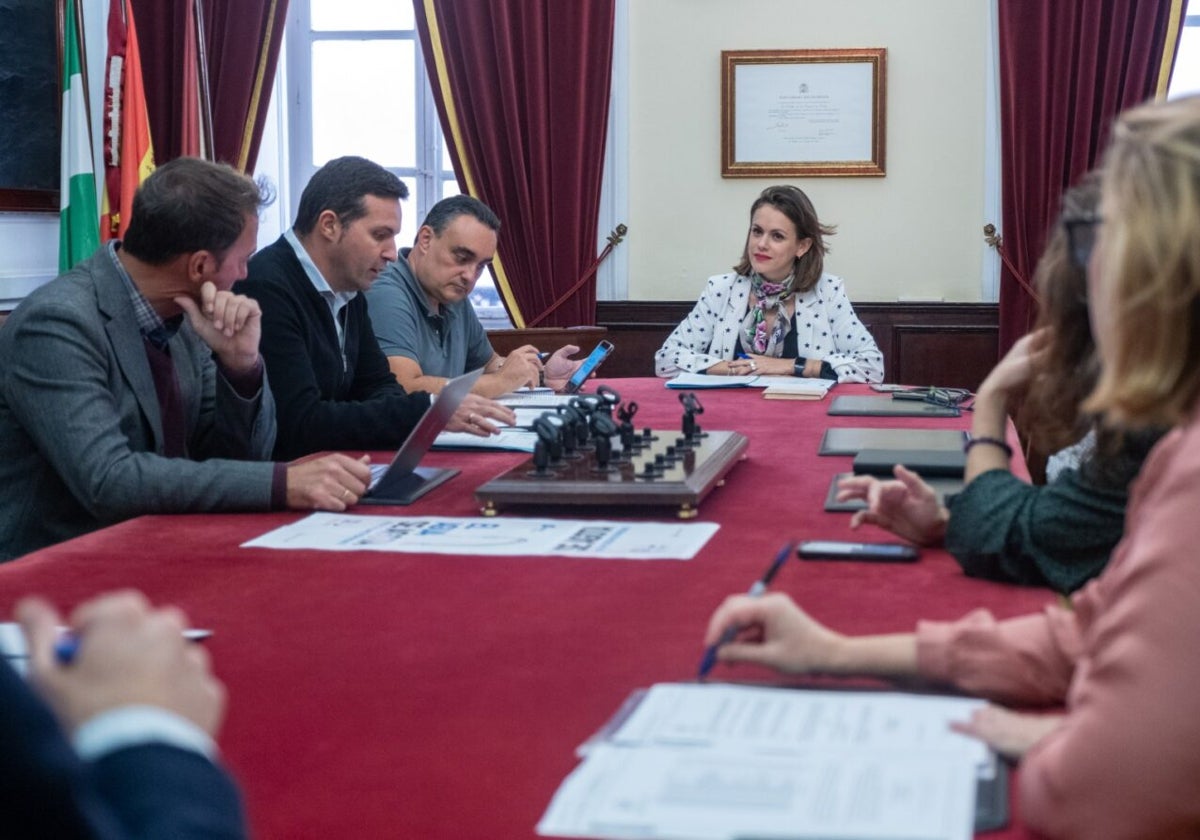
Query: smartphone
{"points": [[863, 552], [593, 360]]}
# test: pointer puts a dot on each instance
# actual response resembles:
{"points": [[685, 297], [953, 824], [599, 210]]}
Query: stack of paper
{"points": [[799, 389], [815, 388], [714, 762]]}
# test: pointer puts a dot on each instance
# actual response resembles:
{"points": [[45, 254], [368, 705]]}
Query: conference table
{"points": [[380, 695]]}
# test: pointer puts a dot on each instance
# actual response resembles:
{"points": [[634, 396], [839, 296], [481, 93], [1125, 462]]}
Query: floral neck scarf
{"points": [[766, 296]]}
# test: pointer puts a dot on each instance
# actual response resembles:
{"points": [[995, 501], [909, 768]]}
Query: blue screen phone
{"points": [[593, 360]]}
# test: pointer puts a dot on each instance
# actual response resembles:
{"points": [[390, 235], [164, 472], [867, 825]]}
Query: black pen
{"points": [[759, 587]]}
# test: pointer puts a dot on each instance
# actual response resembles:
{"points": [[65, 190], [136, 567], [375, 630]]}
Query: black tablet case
{"points": [[924, 462], [849, 441], [868, 406]]}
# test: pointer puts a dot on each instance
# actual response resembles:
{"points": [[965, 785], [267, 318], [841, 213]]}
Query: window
{"points": [[1185, 78], [357, 85]]}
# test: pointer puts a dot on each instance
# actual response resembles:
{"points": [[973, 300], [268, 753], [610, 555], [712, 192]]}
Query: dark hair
{"points": [[449, 209], [1051, 412], [340, 186], [793, 203], [189, 205]]}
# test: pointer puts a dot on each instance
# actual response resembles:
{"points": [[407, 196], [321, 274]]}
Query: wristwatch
{"points": [[798, 368]]}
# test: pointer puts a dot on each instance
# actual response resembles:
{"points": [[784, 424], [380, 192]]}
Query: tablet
{"points": [[850, 441], [944, 487], [868, 406], [924, 462]]}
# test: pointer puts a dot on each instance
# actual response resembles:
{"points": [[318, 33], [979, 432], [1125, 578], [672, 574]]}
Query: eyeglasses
{"points": [[1081, 237]]}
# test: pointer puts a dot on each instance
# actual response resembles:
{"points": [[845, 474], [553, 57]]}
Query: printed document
{"points": [[492, 536], [717, 762]]}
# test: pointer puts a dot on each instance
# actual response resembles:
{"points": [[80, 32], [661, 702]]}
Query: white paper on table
{"points": [[763, 719], [492, 536], [722, 794]]}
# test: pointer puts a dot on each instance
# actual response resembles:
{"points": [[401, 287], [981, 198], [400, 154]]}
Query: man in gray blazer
{"points": [[133, 384]]}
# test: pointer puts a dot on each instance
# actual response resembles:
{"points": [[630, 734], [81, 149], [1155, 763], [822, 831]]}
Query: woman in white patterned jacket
{"points": [[779, 313]]}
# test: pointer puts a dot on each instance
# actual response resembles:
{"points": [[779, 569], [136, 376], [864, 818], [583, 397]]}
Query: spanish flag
{"points": [[128, 151]]}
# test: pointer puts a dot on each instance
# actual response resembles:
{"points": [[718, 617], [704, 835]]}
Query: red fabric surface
{"points": [[382, 695]]}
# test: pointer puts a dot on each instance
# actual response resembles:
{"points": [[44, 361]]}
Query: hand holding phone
{"points": [[593, 360], [863, 552]]}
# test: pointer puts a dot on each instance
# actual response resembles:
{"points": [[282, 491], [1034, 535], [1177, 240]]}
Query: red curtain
{"points": [[241, 40], [522, 91], [1067, 68]]}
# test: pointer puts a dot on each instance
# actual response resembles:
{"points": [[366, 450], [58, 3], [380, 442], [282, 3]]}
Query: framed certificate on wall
{"points": [[803, 112]]}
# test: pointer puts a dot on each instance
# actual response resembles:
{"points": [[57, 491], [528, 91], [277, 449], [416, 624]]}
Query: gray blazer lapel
{"points": [[128, 348]]}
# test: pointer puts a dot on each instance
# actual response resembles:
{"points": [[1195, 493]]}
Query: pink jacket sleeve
{"points": [[1126, 660], [1126, 762]]}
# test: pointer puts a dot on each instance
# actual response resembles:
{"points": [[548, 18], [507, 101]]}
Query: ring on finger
{"points": [[345, 493]]}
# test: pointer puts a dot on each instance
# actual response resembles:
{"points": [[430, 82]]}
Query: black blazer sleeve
{"points": [[147, 792], [325, 400]]}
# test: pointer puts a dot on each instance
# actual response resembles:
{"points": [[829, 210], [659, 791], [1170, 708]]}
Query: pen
{"points": [[755, 591], [68, 643]]}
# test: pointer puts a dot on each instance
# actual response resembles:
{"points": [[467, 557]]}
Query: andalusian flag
{"points": [[79, 228], [128, 151]]}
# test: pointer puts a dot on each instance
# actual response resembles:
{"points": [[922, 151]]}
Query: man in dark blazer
{"points": [[330, 378], [141, 708], [133, 384]]}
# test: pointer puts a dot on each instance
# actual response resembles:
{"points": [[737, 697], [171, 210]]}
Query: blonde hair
{"points": [[1150, 253]]}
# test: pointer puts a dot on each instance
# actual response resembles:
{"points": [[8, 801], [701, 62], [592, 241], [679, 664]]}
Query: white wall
{"points": [[915, 233]]}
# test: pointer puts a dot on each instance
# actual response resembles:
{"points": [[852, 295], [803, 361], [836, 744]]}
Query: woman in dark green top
{"points": [[999, 527]]}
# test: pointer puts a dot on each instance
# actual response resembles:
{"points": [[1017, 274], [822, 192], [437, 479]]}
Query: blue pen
{"points": [[757, 590], [68, 643]]}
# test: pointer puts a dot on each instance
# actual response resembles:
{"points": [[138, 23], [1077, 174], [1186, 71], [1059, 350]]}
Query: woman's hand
{"points": [[772, 631], [907, 506], [1012, 734], [1015, 371]]}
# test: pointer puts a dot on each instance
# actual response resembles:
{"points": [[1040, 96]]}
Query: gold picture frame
{"points": [[803, 113]]}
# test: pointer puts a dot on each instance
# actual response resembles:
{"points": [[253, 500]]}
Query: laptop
{"points": [[402, 481]]}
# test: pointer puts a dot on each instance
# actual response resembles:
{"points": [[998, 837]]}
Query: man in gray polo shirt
{"points": [[422, 315]]}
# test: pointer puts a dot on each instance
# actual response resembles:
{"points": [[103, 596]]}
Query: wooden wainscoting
{"points": [[948, 344], [547, 339]]}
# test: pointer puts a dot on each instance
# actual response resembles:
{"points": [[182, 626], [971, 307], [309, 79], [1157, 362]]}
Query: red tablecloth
{"points": [[378, 695]]}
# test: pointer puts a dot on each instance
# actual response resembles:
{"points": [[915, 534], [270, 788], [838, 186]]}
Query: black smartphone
{"points": [[593, 360], [863, 552]]}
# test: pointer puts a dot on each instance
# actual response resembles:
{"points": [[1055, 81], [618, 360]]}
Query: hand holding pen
{"points": [[131, 654], [756, 590]]}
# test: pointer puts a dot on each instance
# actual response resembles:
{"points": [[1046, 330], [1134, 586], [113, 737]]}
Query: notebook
{"points": [[849, 441], [402, 482], [867, 406]]}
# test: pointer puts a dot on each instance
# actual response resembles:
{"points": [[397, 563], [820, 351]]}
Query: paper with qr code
{"points": [[494, 536]]}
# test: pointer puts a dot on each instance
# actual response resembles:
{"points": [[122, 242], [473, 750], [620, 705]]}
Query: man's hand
{"points": [[229, 324], [1012, 734], [330, 482], [479, 416], [520, 368], [560, 367], [129, 654], [907, 506]]}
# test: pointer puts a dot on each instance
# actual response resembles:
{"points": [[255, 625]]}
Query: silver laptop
{"points": [[402, 481]]}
